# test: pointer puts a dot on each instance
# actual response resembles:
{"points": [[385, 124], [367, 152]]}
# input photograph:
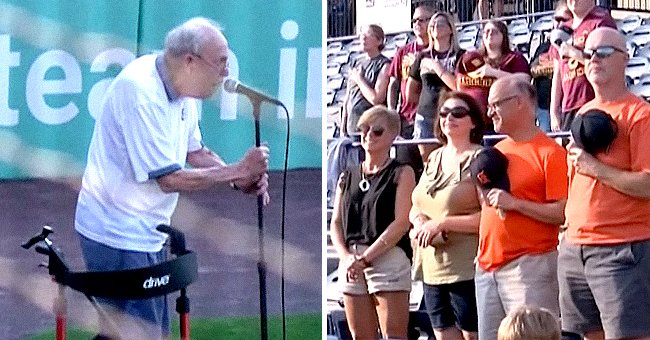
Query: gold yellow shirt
{"points": [[443, 193]]}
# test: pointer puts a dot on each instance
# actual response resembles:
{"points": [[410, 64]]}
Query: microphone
{"points": [[234, 86], [561, 35]]}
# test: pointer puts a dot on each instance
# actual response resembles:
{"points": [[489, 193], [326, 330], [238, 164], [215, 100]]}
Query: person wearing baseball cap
{"points": [[516, 262], [604, 258]]}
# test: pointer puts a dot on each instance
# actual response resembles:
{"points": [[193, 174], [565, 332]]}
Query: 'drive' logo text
{"points": [[152, 282]]}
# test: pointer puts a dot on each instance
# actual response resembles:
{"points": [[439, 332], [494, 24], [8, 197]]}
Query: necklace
{"points": [[364, 184], [445, 61]]}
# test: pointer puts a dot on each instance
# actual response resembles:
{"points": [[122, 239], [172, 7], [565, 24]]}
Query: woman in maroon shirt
{"points": [[477, 71]]}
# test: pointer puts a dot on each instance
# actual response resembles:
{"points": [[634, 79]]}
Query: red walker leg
{"points": [[185, 326], [60, 312]]}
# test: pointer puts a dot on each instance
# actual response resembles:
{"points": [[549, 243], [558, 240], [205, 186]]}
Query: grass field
{"points": [[304, 326]]}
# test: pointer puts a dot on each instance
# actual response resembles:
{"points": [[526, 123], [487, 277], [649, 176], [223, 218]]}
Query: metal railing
{"points": [[488, 138], [341, 14], [626, 5]]}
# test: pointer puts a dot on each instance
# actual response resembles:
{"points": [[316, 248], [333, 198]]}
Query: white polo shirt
{"points": [[141, 135]]}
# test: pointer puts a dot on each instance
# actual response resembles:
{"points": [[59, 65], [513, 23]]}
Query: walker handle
{"points": [[176, 239], [42, 236]]}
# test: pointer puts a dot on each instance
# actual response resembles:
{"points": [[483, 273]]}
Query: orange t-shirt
{"points": [[537, 170], [597, 213]]}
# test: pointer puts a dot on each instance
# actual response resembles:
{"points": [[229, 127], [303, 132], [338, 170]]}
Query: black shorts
{"points": [[452, 304]]}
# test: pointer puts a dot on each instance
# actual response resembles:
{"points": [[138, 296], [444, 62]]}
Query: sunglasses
{"points": [[601, 52], [376, 131], [420, 20], [560, 19], [456, 112]]}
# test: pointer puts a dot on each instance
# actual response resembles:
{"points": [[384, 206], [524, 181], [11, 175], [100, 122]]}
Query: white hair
{"points": [[190, 36]]}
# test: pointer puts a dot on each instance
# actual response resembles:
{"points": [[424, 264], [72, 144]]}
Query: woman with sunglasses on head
{"points": [[368, 229], [494, 59], [446, 214], [367, 79], [431, 73], [541, 69]]}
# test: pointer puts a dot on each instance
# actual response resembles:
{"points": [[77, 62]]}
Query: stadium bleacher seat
{"points": [[468, 40], [353, 46], [536, 39], [637, 67], [335, 82], [640, 35], [329, 97], [629, 23], [543, 24], [399, 40], [642, 52], [642, 87], [389, 51], [334, 47], [339, 96], [342, 57], [520, 38], [333, 69], [517, 24], [474, 28], [631, 48]]}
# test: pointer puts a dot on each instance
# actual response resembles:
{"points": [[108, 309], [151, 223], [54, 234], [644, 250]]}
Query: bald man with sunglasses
{"points": [[604, 260]]}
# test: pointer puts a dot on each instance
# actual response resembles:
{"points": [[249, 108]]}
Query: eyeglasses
{"points": [[420, 20], [601, 52], [457, 112], [216, 67], [495, 105], [376, 131]]}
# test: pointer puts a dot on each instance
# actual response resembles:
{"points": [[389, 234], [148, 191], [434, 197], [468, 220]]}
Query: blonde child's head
{"points": [[530, 323]]}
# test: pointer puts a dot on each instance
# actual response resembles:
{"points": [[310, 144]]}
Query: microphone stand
{"points": [[261, 264]]}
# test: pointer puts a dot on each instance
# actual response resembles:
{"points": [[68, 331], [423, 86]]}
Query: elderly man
{"points": [[147, 131], [569, 88], [517, 254], [604, 260]]}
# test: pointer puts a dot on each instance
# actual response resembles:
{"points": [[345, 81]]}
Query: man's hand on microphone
{"points": [[254, 167], [257, 185], [255, 163]]}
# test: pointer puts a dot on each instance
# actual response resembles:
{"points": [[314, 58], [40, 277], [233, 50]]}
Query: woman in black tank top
{"points": [[369, 226], [367, 79]]}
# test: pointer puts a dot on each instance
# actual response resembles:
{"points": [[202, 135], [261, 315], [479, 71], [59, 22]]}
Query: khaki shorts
{"points": [[390, 272]]}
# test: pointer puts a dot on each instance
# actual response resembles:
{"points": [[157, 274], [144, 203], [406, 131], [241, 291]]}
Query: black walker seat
{"points": [[139, 283]]}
